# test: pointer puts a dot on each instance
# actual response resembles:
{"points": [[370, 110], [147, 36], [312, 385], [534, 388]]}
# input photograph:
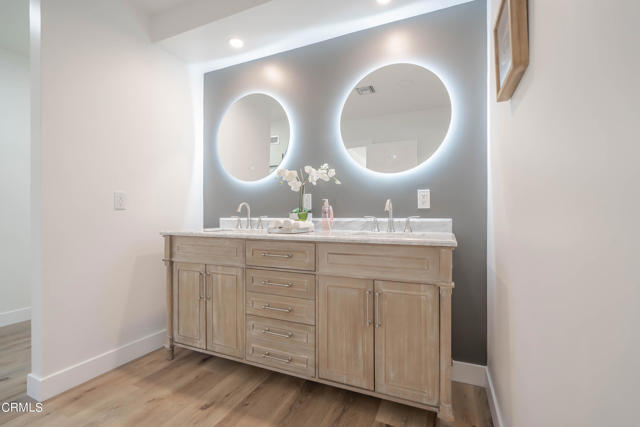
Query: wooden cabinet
{"points": [[392, 324], [372, 318], [225, 310], [345, 331], [407, 341], [208, 307], [189, 304]]}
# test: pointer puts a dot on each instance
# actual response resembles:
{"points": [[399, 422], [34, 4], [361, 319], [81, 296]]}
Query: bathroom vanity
{"points": [[367, 312]]}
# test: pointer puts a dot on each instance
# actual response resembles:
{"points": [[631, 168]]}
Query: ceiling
{"points": [[399, 88], [198, 31], [153, 7], [14, 25]]}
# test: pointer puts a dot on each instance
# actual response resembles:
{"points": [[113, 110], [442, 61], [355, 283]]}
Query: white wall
{"points": [[14, 186], [116, 114], [244, 136], [427, 128], [282, 129], [564, 211]]}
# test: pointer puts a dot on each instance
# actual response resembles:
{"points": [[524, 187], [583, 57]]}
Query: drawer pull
{"points": [[268, 355], [284, 285], [276, 255], [268, 307], [278, 334]]}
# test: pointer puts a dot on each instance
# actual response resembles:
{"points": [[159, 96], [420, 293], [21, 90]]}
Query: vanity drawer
{"points": [[281, 283], [283, 308], [407, 263], [207, 250], [296, 354], [280, 332], [291, 255]]}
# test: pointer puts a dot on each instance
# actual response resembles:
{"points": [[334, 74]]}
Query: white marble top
{"points": [[427, 232]]}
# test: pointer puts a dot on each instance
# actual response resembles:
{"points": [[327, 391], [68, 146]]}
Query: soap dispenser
{"points": [[327, 215]]}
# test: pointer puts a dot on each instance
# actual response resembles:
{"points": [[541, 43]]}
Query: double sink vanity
{"points": [[362, 310]]}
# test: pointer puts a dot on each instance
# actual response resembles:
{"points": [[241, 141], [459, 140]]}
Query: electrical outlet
{"points": [[119, 201], [424, 199]]}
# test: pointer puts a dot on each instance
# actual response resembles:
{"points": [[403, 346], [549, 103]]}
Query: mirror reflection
{"points": [[396, 118], [253, 137]]}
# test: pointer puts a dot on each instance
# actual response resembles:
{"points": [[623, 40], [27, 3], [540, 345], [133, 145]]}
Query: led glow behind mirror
{"points": [[253, 137], [396, 118]]}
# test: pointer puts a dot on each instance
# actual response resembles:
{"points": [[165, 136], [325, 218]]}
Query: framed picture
{"points": [[511, 46]]}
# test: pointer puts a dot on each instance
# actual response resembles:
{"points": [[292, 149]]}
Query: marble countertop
{"points": [[418, 238]]}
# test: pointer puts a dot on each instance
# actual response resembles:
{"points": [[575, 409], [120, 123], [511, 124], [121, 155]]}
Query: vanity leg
{"points": [[169, 347], [169, 273], [446, 410]]}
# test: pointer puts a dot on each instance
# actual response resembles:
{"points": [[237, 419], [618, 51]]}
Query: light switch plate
{"points": [[424, 199], [119, 200]]}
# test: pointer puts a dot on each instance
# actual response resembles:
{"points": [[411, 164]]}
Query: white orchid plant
{"points": [[297, 182]]}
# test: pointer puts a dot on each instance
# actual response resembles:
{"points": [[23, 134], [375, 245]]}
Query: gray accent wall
{"points": [[313, 82]]}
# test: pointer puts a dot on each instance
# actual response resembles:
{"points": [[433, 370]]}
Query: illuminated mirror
{"points": [[253, 137], [396, 118]]}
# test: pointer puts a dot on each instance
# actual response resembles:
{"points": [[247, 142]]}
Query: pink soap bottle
{"points": [[327, 215]]}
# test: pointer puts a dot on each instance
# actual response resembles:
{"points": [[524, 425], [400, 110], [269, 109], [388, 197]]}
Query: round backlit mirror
{"points": [[396, 118], [253, 137]]}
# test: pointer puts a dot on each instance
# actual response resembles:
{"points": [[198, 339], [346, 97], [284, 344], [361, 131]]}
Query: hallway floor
{"points": [[197, 389]]}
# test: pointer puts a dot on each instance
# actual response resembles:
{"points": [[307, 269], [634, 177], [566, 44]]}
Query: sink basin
{"points": [[354, 233], [380, 233], [234, 230]]}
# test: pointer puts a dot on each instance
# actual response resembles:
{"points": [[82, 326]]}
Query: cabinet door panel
{"points": [[188, 304], [225, 310], [345, 331], [407, 341]]}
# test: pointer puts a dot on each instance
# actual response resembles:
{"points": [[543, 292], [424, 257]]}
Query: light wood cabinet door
{"points": [[407, 341], [345, 331], [225, 310], [188, 304]]}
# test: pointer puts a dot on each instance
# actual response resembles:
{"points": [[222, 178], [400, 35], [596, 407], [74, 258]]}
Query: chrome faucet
{"points": [[374, 225], [388, 207], [248, 213], [407, 224]]}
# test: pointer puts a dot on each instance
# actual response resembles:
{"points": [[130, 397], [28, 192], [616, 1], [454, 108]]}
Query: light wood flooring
{"points": [[197, 389]]}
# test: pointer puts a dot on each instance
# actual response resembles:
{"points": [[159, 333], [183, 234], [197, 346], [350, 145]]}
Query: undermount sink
{"points": [[234, 230], [382, 233], [353, 233]]}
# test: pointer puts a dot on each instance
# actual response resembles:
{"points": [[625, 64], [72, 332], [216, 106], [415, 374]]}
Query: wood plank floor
{"points": [[201, 390], [15, 358]]}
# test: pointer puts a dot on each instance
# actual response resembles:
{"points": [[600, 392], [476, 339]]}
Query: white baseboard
{"points": [[478, 375], [469, 373], [15, 316], [496, 415], [43, 388]]}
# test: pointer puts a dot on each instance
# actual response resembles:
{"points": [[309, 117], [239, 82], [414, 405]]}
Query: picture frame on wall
{"points": [[511, 47]]}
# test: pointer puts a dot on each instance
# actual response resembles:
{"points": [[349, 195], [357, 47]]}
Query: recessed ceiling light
{"points": [[236, 43], [383, 1]]}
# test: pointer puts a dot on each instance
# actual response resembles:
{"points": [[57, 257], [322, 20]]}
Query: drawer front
{"points": [[281, 283], [280, 332], [208, 250], [282, 308], [290, 255], [409, 263], [292, 358]]}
